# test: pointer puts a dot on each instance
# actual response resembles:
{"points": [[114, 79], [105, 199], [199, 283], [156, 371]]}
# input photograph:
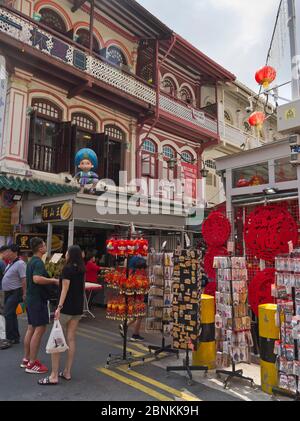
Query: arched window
{"points": [[116, 56], [187, 157], [45, 135], [186, 96], [84, 39], [149, 146], [84, 122], [228, 117], [149, 159], [114, 132], [114, 152], [86, 128], [168, 152], [168, 86], [53, 20]]}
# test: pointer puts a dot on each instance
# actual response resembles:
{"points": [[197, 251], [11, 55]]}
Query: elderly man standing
{"points": [[14, 287]]}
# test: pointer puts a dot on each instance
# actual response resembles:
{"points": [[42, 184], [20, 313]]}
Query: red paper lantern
{"points": [[131, 247], [211, 253], [122, 247], [260, 289], [257, 119], [265, 76], [216, 230], [112, 246], [268, 231]]}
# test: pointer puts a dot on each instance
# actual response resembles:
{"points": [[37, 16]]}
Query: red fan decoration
{"points": [[260, 289], [211, 289], [211, 253], [216, 230], [265, 76], [268, 231]]}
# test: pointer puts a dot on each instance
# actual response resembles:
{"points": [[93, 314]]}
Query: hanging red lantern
{"points": [[122, 247], [257, 119], [265, 76], [112, 246], [216, 229], [243, 183], [131, 247], [260, 289]]}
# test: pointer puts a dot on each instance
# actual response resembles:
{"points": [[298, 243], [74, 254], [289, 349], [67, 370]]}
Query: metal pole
{"points": [[92, 14], [71, 233], [294, 49], [49, 239]]}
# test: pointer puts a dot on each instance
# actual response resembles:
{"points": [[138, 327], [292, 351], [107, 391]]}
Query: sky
{"points": [[234, 33]]}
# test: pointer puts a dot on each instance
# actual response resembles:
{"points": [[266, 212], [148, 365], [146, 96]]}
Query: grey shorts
{"points": [[65, 319]]}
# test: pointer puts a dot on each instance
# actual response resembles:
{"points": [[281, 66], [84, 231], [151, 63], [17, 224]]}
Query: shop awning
{"points": [[39, 187]]}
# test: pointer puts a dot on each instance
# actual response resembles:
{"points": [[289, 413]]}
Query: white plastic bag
{"points": [[57, 342], [2, 328]]}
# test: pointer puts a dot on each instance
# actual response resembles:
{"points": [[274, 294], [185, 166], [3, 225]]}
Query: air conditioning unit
{"points": [[294, 141]]}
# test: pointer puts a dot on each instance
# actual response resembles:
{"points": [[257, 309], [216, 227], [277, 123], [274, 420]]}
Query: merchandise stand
{"points": [[233, 373], [293, 272], [164, 348], [186, 337], [126, 358]]}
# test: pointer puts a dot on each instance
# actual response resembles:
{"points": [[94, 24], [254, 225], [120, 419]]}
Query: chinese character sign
{"points": [[3, 90], [190, 177], [57, 212]]}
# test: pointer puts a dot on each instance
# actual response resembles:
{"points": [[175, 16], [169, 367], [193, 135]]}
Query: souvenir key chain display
{"points": [[287, 292], [131, 286], [160, 300], [233, 324], [186, 308]]}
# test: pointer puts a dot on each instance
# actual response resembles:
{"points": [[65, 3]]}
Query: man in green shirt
{"points": [[37, 307]]}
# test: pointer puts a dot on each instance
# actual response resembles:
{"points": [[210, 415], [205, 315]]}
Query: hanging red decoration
{"points": [[211, 289], [265, 76], [216, 230], [268, 230], [257, 119], [260, 289], [142, 247], [243, 183], [211, 253]]}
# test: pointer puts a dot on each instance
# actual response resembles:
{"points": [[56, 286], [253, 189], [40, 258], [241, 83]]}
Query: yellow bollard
{"points": [[268, 334], [206, 353]]}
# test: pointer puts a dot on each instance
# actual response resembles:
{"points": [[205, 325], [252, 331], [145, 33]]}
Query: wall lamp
{"points": [[271, 190], [173, 161]]}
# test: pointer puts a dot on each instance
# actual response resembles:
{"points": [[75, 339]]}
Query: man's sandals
{"points": [[4, 344]]}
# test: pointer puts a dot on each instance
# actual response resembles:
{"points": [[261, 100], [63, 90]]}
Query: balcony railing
{"points": [[43, 158], [238, 137], [30, 33]]}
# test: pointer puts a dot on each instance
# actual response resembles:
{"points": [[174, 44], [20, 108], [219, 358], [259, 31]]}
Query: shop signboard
{"points": [[6, 228], [190, 177], [57, 212], [23, 240]]}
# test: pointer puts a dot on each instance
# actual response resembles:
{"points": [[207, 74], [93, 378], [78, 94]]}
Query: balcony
{"points": [[74, 57], [43, 158], [238, 137]]}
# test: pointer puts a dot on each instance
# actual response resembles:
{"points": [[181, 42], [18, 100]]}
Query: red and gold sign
{"points": [[265, 76]]}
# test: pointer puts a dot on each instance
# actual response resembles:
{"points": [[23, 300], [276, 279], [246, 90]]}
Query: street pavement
{"points": [[92, 381]]}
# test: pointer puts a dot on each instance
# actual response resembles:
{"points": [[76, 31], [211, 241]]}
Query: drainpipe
{"points": [[157, 108]]}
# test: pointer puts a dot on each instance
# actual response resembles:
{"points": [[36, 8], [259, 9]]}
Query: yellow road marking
{"points": [[104, 332], [87, 331], [136, 385], [134, 352], [182, 395]]}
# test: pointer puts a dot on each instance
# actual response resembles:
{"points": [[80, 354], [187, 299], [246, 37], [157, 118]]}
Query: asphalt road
{"points": [[92, 381]]}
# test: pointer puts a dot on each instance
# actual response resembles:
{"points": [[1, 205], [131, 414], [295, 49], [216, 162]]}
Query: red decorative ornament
{"points": [[112, 246], [211, 289], [211, 253], [268, 230], [216, 230], [243, 183], [265, 76], [257, 119], [142, 247], [260, 289]]}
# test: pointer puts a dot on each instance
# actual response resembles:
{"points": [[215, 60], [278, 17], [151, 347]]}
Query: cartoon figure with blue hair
{"points": [[87, 160]]}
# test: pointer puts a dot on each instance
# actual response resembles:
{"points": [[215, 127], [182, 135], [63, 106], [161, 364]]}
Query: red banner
{"points": [[190, 176]]}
